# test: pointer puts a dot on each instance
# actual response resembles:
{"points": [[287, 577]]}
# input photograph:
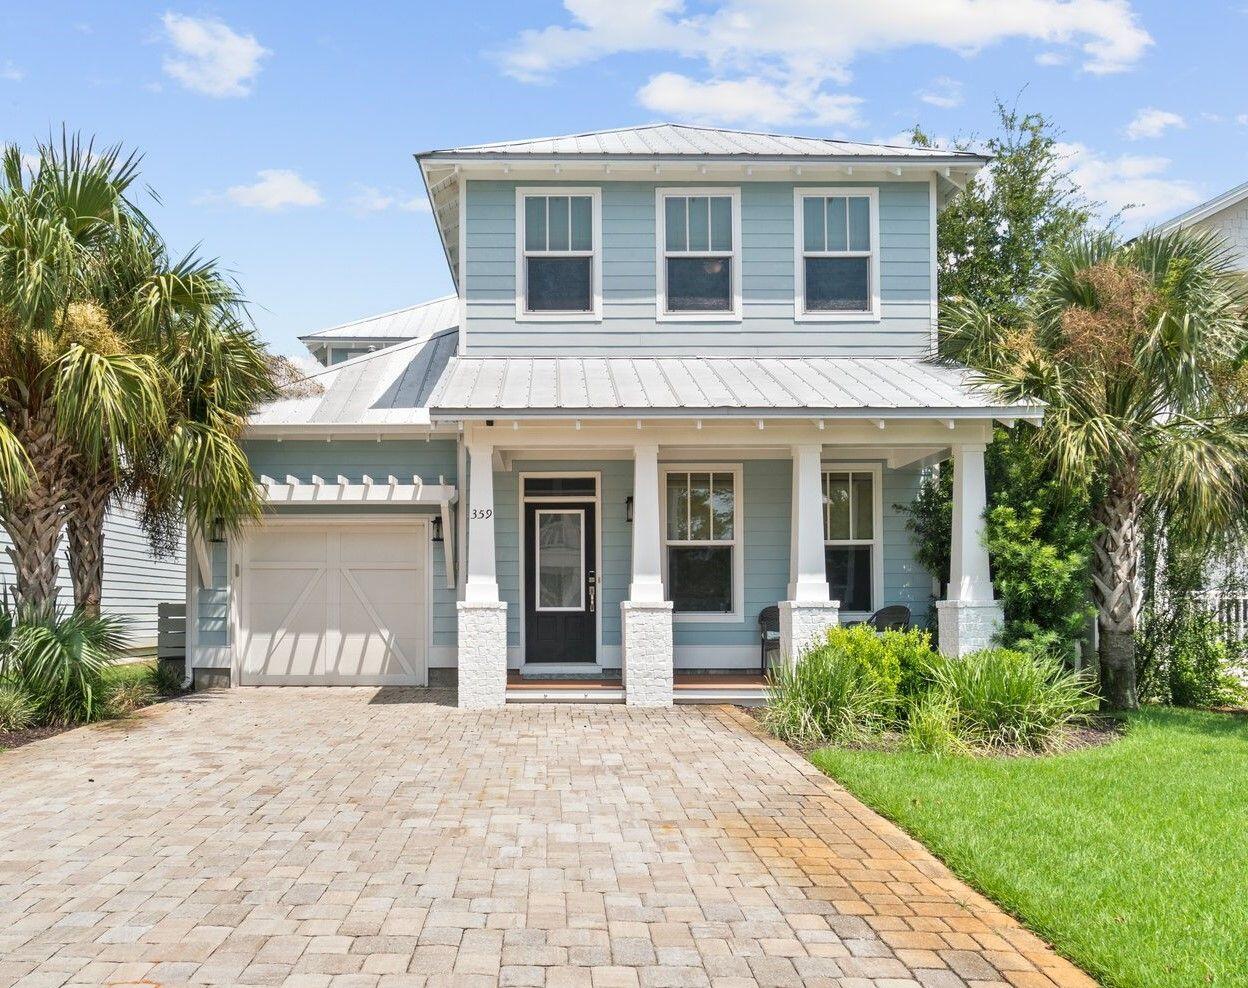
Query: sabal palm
{"points": [[1131, 346], [91, 311]]}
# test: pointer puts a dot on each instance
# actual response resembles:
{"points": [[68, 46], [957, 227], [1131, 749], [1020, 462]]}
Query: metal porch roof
{"points": [[835, 386]]}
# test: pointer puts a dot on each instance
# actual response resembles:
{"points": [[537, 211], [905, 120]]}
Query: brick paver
{"points": [[351, 837]]}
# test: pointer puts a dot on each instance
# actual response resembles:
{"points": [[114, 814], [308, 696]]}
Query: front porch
{"points": [[628, 562]]}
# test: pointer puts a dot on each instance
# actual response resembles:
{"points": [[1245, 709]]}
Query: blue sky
{"points": [[279, 135]]}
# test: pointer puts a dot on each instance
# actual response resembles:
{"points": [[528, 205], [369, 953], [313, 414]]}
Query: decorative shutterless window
{"points": [[837, 271], [699, 253], [558, 262], [702, 540], [850, 533]]}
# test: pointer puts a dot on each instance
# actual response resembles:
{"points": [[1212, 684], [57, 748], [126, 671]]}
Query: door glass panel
{"points": [[699, 506], [560, 560], [864, 506], [838, 506], [678, 506]]}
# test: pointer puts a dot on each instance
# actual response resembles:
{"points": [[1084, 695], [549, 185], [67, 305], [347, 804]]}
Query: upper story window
{"points": [[699, 254], [836, 245], [558, 259]]}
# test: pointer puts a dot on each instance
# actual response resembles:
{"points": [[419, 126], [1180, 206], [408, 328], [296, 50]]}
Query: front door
{"points": [[560, 582]]}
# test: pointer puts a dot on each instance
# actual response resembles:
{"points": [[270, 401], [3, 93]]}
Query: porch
{"points": [[744, 689]]}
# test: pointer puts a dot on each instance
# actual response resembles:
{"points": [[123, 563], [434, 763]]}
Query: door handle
{"points": [[593, 593]]}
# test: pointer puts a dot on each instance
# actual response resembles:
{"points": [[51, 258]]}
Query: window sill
{"points": [[864, 316], [719, 316], [558, 316]]}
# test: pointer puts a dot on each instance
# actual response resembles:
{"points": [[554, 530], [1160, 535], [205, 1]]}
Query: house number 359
{"points": [[482, 512]]}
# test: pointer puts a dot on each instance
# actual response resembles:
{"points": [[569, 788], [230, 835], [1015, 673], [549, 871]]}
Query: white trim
{"points": [[523, 529], [737, 614], [461, 262], [238, 563], [876, 542], [660, 253], [579, 606], [933, 263], [872, 194], [388, 490], [594, 253]]}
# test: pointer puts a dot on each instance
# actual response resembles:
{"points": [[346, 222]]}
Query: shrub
{"points": [[932, 725], [128, 695], [1006, 699], [1184, 659], [827, 695], [17, 710], [59, 661], [164, 678]]}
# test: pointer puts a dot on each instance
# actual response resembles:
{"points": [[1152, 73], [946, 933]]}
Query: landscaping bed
{"points": [[1130, 858]]}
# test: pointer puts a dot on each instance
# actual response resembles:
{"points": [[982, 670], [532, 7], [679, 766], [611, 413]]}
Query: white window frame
{"points": [[737, 542], [872, 194], [537, 562], [594, 253], [876, 542], [661, 254]]}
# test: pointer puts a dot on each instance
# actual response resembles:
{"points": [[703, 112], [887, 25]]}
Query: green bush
{"points": [[164, 679], [17, 710], [932, 724], [60, 661], [128, 695], [1000, 698], [1183, 659], [827, 695]]}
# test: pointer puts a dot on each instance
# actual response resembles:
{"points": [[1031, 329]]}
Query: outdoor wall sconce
{"points": [[628, 509], [437, 528]]}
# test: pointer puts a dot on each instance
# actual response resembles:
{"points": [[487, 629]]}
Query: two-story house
{"points": [[684, 378]]}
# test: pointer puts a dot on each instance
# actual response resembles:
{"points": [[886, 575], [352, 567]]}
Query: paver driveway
{"points": [[354, 837]]}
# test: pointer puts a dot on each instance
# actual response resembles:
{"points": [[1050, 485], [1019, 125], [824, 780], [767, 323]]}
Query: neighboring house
{"points": [[135, 580], [1226, 214], [687, 381]]}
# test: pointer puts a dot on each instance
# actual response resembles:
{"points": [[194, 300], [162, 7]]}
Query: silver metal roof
{"points": [[388, 387], [422, 319], [677, 140], [837, 386], [1204, 210]]}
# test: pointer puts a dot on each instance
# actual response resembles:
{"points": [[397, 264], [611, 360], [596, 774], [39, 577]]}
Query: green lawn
{"points": [[1131, 858]]}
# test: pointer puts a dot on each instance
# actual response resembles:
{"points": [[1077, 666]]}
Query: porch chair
{"points": [[768, 634], [894, 617]]}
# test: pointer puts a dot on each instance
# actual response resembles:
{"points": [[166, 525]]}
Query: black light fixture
{"points": [[218, 530], [628, 509], [437, 528]]}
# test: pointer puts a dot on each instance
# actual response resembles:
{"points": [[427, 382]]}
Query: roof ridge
{"points": [[382, 315]]}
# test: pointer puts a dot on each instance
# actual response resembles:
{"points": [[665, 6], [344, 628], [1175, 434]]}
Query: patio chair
{"points": [[894, 617], [768, 634]]}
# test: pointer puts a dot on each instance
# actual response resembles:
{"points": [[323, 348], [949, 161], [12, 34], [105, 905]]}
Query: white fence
{"points": [[1230, 608]]}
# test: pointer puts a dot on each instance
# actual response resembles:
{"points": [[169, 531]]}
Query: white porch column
{"points": [[482, 644], [808, 612], [646, 617], [969, 618]]}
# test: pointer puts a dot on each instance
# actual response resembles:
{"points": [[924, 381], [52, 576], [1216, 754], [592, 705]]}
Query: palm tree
{"points": [[98, 328], [1130, 345]]}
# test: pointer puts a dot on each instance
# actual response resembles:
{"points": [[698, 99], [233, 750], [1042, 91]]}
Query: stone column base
{"points": [[482, 654], [804, 623], [965, 626], [646, 652]]}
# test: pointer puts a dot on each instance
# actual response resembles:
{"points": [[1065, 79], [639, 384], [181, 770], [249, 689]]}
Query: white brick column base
{"points": [[646, 652], [482, 654], [804, 623], [965, 626]]}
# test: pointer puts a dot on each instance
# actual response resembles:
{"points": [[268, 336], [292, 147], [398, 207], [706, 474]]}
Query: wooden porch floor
{"points": [[738, 687]]}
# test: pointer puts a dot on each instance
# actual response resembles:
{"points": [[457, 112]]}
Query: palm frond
{"points": [[106, 401]]}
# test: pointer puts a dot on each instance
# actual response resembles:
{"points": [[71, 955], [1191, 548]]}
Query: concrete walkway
{"points": [[358, 837]]}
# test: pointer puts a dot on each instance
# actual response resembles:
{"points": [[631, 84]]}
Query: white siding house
{"points": [[1226, 214]]}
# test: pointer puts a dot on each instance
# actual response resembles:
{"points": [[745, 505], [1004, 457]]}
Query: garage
{"points": [[334, 603]]}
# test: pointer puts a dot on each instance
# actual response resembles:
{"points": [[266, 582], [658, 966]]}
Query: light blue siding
{"points": [[629, 283], [213, 606]]}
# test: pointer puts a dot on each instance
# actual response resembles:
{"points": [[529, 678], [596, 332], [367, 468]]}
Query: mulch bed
{"points": [[15, 739]]}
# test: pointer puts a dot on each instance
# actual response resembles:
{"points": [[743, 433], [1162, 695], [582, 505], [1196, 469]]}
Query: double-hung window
{"points": [[558, 261], [837, 254], [851, 534], [702, 533], [699, 236]]}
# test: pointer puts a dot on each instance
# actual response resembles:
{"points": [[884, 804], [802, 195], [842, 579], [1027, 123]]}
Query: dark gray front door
{"points": [[560, 585]]}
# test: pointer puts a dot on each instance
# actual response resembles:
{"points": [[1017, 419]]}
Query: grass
{"points": [[1131, 858]]}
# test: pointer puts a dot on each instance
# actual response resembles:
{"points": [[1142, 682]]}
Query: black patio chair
{"points": [[768, 634], [894, 617]]}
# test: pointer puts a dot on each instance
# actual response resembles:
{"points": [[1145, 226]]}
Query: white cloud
{"points": [[370, 199], [1242, 119], [211, 58], [1152, 122], [11, 73], [1050, 58], [762, 51], [1137, 186], [274, 189], [943, 92], [749, 100]]}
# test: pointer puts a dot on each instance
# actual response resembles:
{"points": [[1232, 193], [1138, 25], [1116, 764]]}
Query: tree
{"points": [[1129, 345], [98, 329]]}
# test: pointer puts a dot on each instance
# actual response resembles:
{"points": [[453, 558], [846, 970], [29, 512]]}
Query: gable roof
{"points": [[408, 323], [1229, 198], [664, 140]]}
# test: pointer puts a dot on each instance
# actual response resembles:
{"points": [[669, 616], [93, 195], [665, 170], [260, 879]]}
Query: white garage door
{"points": [[334, 604]]}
